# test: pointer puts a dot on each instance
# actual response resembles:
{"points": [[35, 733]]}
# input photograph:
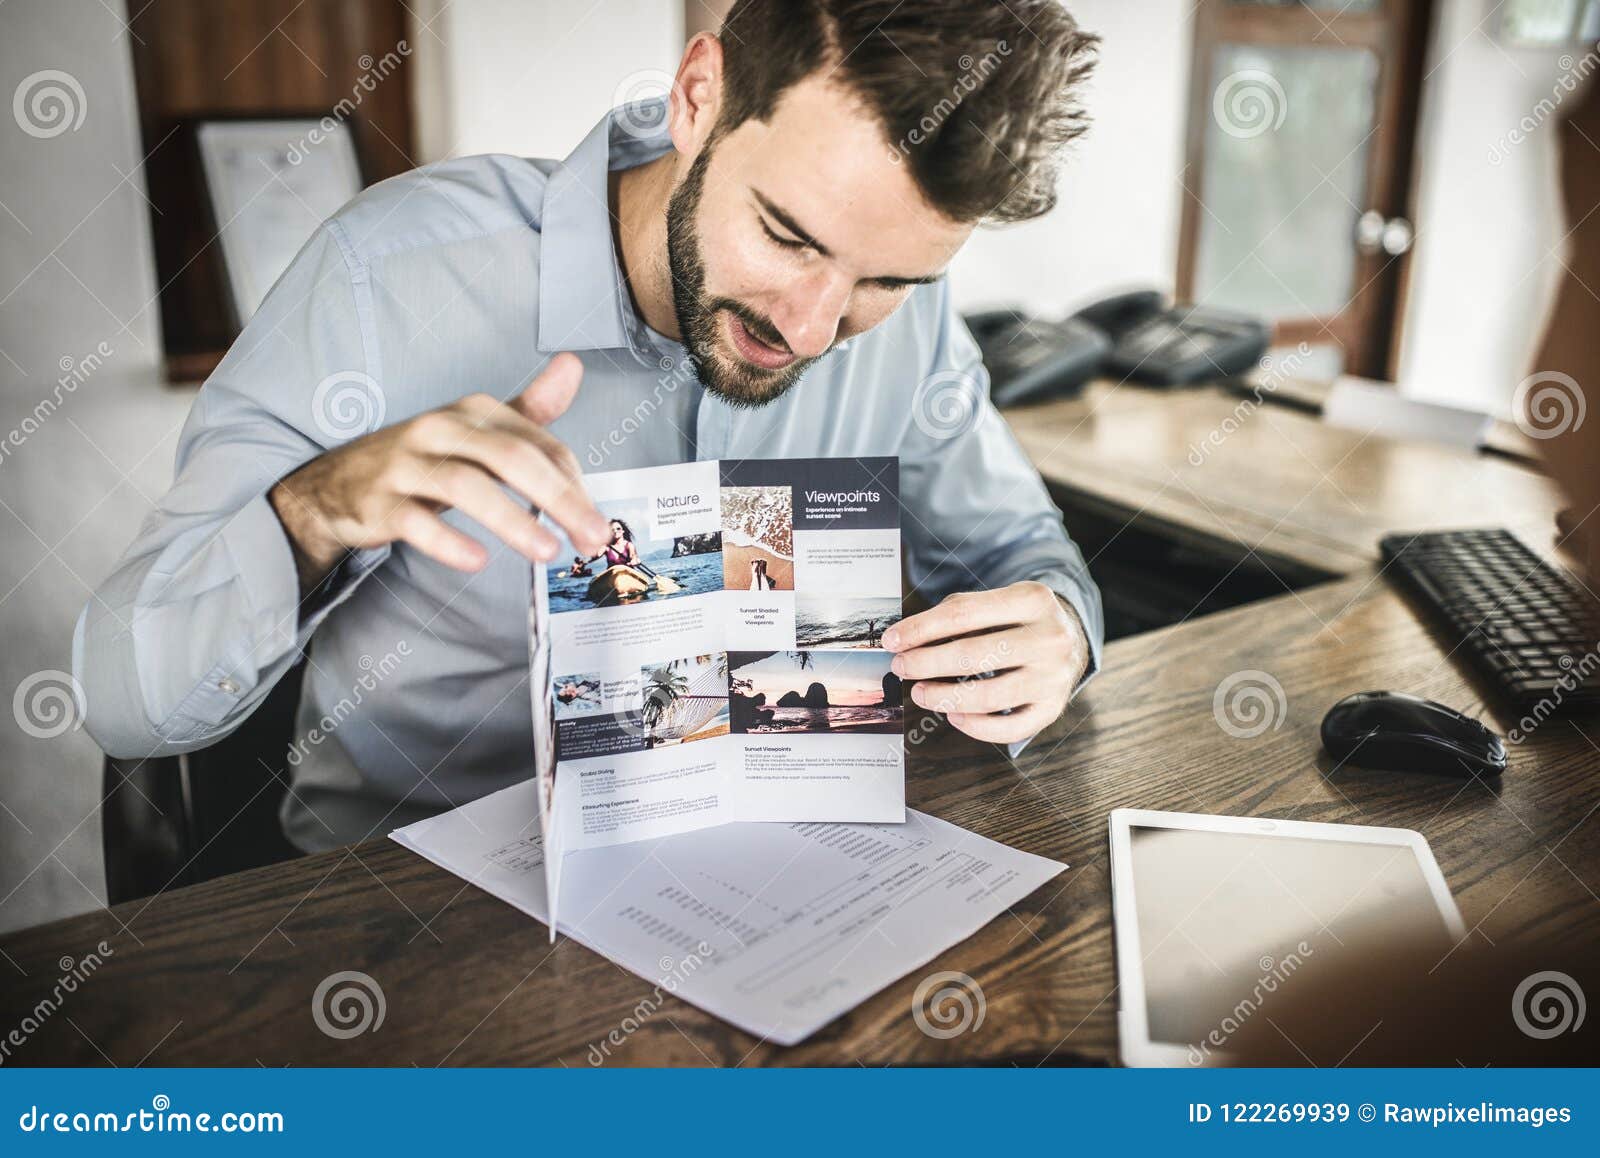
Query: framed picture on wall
{"points": [[270, 183]]}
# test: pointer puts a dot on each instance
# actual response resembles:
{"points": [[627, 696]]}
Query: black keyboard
{"points": [[1524, 625]]}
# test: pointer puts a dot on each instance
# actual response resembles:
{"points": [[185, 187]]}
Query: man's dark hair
{"points": [[976, 96]]}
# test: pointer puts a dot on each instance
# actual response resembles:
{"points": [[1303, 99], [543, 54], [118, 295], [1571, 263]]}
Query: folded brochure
{"points": [[721, 660]]}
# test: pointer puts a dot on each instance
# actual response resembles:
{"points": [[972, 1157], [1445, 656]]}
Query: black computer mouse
{"points": [[1400, 733]]}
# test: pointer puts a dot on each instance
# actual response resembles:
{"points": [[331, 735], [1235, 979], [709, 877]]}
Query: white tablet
{"points": [[1216, 914]]}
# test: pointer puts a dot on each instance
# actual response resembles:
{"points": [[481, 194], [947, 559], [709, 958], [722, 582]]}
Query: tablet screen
{"points": [[1228, 917]]}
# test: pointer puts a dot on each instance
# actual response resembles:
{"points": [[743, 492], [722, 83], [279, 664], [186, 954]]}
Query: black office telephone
{"points": [[1030, 360], [1133, 336]]}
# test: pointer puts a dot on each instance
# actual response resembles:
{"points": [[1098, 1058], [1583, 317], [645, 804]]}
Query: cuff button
{"points": [[228, 686]]}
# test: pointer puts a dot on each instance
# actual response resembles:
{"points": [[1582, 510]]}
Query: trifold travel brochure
{"points": [[721, 660]]}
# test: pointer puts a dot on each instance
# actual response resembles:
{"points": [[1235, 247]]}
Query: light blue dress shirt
{"points": [[461, 277]]}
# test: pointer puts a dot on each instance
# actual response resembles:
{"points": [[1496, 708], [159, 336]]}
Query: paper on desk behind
{"points": [[544, 739], [776, 928]]}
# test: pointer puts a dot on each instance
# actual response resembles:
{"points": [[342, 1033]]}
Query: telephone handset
{"points": [[1030, 360], [1132, 336]]}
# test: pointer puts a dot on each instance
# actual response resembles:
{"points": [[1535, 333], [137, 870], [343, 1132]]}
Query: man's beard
{"points": [[733, 380]]}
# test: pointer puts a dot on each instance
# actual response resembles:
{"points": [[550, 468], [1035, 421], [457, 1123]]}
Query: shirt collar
{"points": [[583, 300]]}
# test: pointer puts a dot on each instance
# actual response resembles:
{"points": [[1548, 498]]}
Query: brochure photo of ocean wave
{"points": [[758, 538]]}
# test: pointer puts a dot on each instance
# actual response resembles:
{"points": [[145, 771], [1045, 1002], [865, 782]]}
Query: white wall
{"points": [[78, 466], [75, 264], [1488, 215], [1116, 225], [531, 78]]}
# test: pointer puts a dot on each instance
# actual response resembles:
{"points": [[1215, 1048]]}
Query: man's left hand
{"points": [[1025, 634]]}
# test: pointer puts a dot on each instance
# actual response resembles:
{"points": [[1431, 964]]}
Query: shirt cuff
{"points": [[277, 622], [259, 548], [264, 561]]}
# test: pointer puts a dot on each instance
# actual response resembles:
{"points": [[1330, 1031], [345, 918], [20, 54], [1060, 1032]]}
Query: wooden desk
{"points": [[1274, 479], [224, 972]]}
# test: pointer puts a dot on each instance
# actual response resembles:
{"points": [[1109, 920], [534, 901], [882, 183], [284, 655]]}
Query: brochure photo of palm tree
{"points": [[685, 700]]}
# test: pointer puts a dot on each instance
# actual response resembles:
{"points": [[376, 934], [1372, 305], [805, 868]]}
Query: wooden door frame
{"points": [[1398, 35]]}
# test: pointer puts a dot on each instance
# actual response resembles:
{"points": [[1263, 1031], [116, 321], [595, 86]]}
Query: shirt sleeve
{"points": [[202, 614], [977, 515]]}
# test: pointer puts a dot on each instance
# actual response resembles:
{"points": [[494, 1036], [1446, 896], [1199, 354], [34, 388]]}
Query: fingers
{"points": [[476, 494], [547, 397], [963, 613], [525, 456], [992, 651], [1030, 647], [545, 473], [1013, 689], [429, 534], [1003, 729]]}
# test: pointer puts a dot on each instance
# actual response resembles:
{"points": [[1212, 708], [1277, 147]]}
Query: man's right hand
{"points": [[393, 484]]}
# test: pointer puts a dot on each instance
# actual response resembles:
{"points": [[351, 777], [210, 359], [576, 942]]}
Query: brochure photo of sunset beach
{"points": [[758, 538], [813, 691]]}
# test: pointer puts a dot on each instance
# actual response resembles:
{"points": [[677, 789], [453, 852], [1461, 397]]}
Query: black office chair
{"points": [[179, 820]]}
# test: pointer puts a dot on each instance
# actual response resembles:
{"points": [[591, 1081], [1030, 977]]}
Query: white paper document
{"points": [[776, 928], [1370, 408]]}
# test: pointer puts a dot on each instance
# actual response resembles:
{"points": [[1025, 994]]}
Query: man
{"points": [[753, 268]]}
